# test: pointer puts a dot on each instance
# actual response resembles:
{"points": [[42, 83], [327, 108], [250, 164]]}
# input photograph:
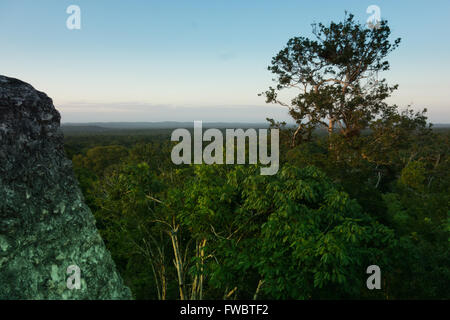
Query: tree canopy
{"points": [[335, 77]]}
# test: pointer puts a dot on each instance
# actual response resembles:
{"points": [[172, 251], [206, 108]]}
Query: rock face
{"points": [[45, 227]]}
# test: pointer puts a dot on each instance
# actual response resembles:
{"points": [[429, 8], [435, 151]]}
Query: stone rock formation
{"points": [[45, 226]]}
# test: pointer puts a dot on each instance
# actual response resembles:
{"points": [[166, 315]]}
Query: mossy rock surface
{"points": [[45, 226]]}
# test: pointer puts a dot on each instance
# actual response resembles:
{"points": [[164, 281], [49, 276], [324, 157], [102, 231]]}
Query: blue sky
{"points": [[201, 60]]}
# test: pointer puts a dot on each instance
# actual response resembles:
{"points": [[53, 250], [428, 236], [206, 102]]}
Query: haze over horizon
{"points": [[150, 61]]}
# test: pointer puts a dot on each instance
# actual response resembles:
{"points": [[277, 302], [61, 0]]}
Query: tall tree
{"points": [[336, 77]]}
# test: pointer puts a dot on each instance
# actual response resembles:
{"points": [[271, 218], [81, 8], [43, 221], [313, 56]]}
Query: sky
{"points": [[167, 60]]}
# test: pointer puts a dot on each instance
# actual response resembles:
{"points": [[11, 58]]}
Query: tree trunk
{"points": [[258, 288], [197, 284], [202, 258], [330, 127], [178, 262], [294, 137]]}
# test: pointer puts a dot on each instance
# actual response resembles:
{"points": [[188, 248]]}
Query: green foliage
{"points": [[375, 194], [335, 77], [306, 233], [413, 175], [99, 158]]}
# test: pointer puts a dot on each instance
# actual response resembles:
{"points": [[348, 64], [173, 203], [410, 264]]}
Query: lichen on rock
{"points": [[45, 226]]}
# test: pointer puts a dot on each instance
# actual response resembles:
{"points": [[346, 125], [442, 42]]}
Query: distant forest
{"points": [[232, 231], [361, 183]]}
